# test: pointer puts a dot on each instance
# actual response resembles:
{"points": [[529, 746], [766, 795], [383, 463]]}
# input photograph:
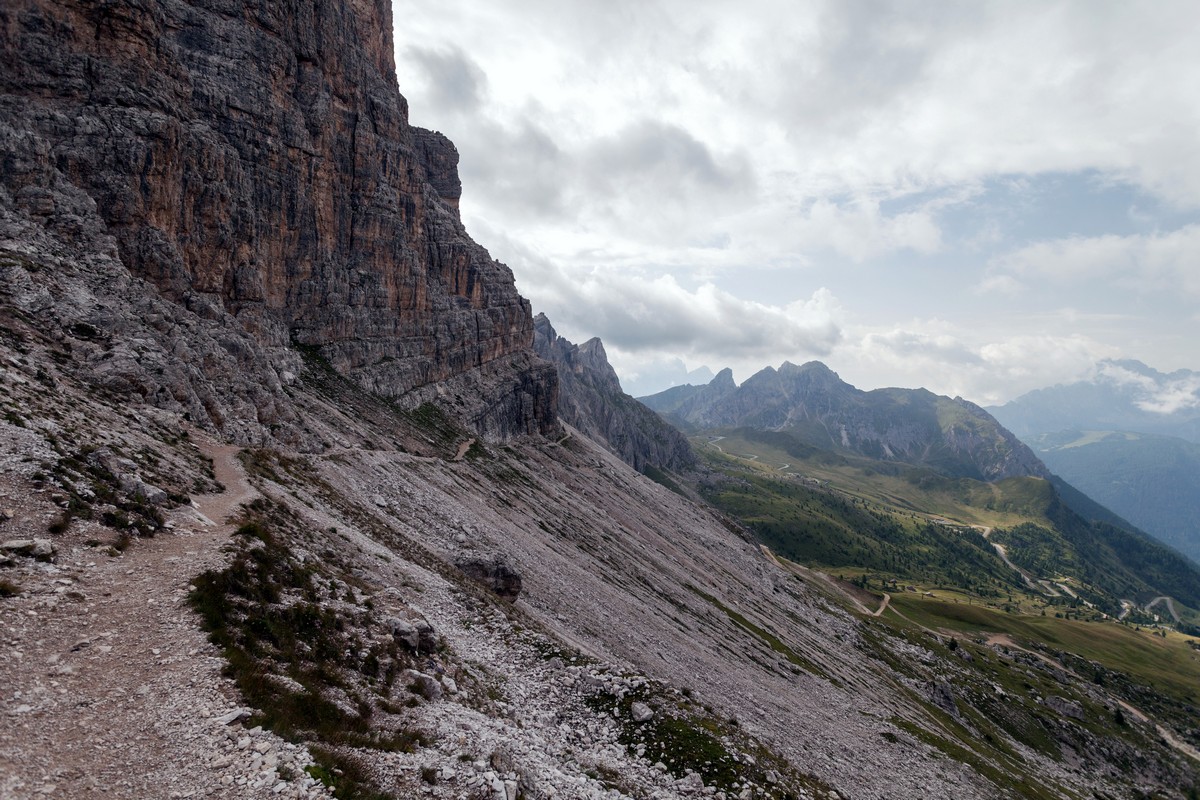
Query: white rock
{"points": [[231, 717], [641, 712]]}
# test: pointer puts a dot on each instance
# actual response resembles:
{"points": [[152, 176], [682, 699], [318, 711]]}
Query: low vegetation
{"points": [[688, 738], [302, 653]]}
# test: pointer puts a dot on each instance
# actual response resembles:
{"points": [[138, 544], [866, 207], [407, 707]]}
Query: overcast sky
{"points": [[978, 198]]}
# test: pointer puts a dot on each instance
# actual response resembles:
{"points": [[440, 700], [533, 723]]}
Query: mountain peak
{"points": [[723, 378]]}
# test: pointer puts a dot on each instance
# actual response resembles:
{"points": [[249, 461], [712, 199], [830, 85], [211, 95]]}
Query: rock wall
{"points": [[255, 159]]}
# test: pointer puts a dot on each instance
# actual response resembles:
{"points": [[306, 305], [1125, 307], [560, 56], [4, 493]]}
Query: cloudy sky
{"points": [[979, 198]]}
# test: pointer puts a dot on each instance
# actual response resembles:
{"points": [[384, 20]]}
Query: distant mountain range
{"points": [[1153, 481], [1123, 396], [934, 444], [810, 401], [1129, 437]]}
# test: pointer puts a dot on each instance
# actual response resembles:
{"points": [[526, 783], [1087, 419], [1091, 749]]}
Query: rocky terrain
{"points": [[915, 426], [286, 510], [591, 401]]}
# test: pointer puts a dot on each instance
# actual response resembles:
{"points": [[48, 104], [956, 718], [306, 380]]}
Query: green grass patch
{"points": [[289, 651], [686, 738], [1169, 665]]}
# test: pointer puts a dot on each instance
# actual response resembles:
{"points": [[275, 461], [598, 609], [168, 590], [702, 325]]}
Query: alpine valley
{"points": [[299, 499]]}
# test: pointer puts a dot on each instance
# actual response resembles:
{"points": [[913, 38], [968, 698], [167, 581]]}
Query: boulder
{"points": [[495, 572], [404, 632], [641, 712], [1064, 707], [426, 638], [41, 549], [941, 695], [425, 685]]}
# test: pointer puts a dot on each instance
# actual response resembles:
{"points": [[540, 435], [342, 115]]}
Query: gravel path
{"points": [[110, 688]]}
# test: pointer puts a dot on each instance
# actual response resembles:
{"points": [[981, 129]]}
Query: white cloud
{"points": [[656, 151], [1144, 263], [1001, 284], [655, 315], [947, 359], [859, 231], [1153, 391], [1176, 396]]}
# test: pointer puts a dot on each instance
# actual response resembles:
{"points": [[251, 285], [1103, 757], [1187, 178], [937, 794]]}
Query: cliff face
{"points": [[255, 160], [593, 402]]}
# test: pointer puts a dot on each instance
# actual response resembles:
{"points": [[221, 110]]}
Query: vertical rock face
{"points": [[255, 159], [593, 402]]}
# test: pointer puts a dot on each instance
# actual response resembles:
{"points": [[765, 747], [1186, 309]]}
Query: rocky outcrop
{"points": [[810, 401], [255, 163], [592, 401]]}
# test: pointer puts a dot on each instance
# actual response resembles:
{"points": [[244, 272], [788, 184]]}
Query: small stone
{"points": [[641, 712]]}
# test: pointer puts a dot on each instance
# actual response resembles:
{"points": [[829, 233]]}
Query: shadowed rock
{"points": [[496, 573]]}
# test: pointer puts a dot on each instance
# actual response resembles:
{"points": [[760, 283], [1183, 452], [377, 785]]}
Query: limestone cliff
{"points": [[255, 161], [592, 401]]}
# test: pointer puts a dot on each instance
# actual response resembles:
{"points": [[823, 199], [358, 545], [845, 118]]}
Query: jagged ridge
{"points": [[591, 400], [910, 425]]}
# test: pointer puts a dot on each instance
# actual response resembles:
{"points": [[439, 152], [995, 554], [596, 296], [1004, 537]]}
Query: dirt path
{"points": [[1169, 603], [1003, 553], [817, 575], [109, 687], [218, 508], [463, 448]]}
